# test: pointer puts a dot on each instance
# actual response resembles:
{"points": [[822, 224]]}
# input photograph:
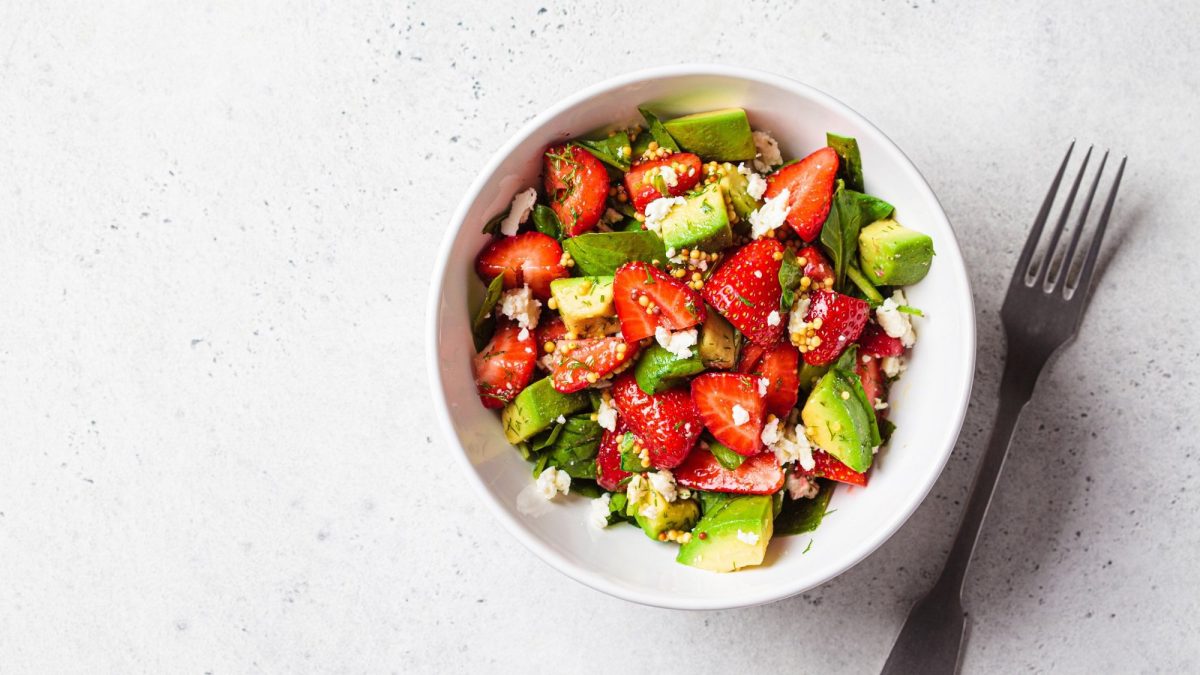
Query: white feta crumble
{"points": [[740, 415], [797, 323], [678, 343], [561, 420], [756, 185], [800, 487], [767, 154], [523, 335], [613, 216], [763, 383], [663, 483], [788, 446], [668, 175], [649, 511], [606, 414], [552, 481], [771, 215], [773, 319], [658, 209], [598, 511], [670, 252], [880, 404], [519, 305], [893, 365], [895, 323], [636, 488], [750, 538], [522, 205], [757, 274]]}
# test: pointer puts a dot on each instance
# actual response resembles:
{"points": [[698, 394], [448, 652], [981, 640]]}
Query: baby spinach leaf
{"points": [[614, 150], [846, 362], [850, 166], [725, 457], [574, 450], [546, 221], [790, 274], [848, 214], [485, 321], [886, 428], [803, 515], [711, 502], [601, 253], [658, 131], [641, 143], [585, 487], [493, 226]]}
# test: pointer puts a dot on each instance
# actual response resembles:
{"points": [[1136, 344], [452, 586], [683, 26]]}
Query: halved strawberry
{"points": [[831, 468], [758, 475], [577, 184], [745, 290], [671, 303], [871, 375], [667, 422], [609, 473], [722, 399], [809, 183], [779, 366], [550, 329], [842, 321], [588, 362], [816, 267], [529, 258], [751, 355], [505, 365], [639, 181], [876, 342]]}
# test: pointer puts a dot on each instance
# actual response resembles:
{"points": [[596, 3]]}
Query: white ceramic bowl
{"points": [[927, 403]]}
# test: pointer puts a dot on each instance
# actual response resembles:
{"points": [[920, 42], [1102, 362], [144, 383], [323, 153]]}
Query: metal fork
{"points": [[1041, 313]]}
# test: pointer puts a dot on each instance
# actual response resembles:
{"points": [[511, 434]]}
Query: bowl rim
{"points": [[546, 553]]}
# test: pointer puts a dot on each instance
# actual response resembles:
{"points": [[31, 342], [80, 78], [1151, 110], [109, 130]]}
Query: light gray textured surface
{"points": [[216, 229]]}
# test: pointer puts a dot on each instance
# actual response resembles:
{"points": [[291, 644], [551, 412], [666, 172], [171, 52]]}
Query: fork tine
{"points": [[1068, 259], [1083, 287], [1039, 223], [1048, 256]]}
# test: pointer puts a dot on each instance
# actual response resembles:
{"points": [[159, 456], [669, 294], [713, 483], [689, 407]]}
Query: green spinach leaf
{"points": [[658, 131], [546, 221], [725, 456], [850, 165], [848, 214], [485, 320], [574, 450], [614, 150], [601, 253], [803, 515], [493, 225]]}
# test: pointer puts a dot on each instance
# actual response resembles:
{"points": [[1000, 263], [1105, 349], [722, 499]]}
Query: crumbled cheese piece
{"points": [[756, 185], [599, 510], [522, 205], [636, 488], [770, 216], [763, 383], [768, 154], [547, 363], [796, 321], [663, 483], [678, 343], [880, 404], [789, 446], [658, 209], [740, 415], [893, 365], [670, 252], [894, 322], [757, 274], [561, 420], [773, 319], [613, 216], [649, 511], [606, 414], [668, 175], [519, 305], [800, 487], [523, 335], [552, 481], [750, 538], [684, 493]]}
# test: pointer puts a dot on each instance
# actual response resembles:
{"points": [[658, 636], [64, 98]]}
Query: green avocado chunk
{"points": [[655, 515], [586, 305], [893, 255], [536, 408], [701, 222], [733, 535], [723, 135], [658, 369], [840, 421], [718, 342]]}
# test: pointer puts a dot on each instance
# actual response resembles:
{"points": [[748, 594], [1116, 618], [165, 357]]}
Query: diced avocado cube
{"points": [[536, 408], [731, 536], [586, 305], [658, 369], [839, 420], [893, 255], [718, 342], [701, 222], [655, 515], [735, 186], [723, 135]]}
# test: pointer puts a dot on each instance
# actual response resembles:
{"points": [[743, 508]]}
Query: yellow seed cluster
{"points": [[807, 339], [679, 536], [618, 193], [653, 151], [566, 261], [689, 270]]}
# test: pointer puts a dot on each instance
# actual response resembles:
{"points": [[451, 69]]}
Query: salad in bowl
{"points": [[696, 332]]}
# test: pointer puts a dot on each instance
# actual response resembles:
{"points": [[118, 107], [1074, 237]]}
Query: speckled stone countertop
{"points": [[216, 233]]}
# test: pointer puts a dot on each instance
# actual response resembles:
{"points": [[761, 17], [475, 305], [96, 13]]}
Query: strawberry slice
{"points": [[529, 258], [505, 365], [550, 329], [609, 473], [639, 181], [745, 290], [842, 321], [779, 366], [829, 467], [809, 183], [588, 362], [578, 187], [722, 399], [876, 342], [871, 375], [758, 475], [667, 422], [670, 303], [751, 355], [816, 266]]}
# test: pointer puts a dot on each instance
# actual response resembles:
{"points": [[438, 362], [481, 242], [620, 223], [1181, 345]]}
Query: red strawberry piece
{"points": [[588, 362], [842, 321], [609, 473], [505, 365], [550, 329], [721, 398], [809, 183], [876, 342], [829, 467], [667, 423], [530, 258], [640, 185], [871, 375], [745, 289], [671, 303], [779, 366], [816, 267], [751, 355], [757, 475], [577, 184]]}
